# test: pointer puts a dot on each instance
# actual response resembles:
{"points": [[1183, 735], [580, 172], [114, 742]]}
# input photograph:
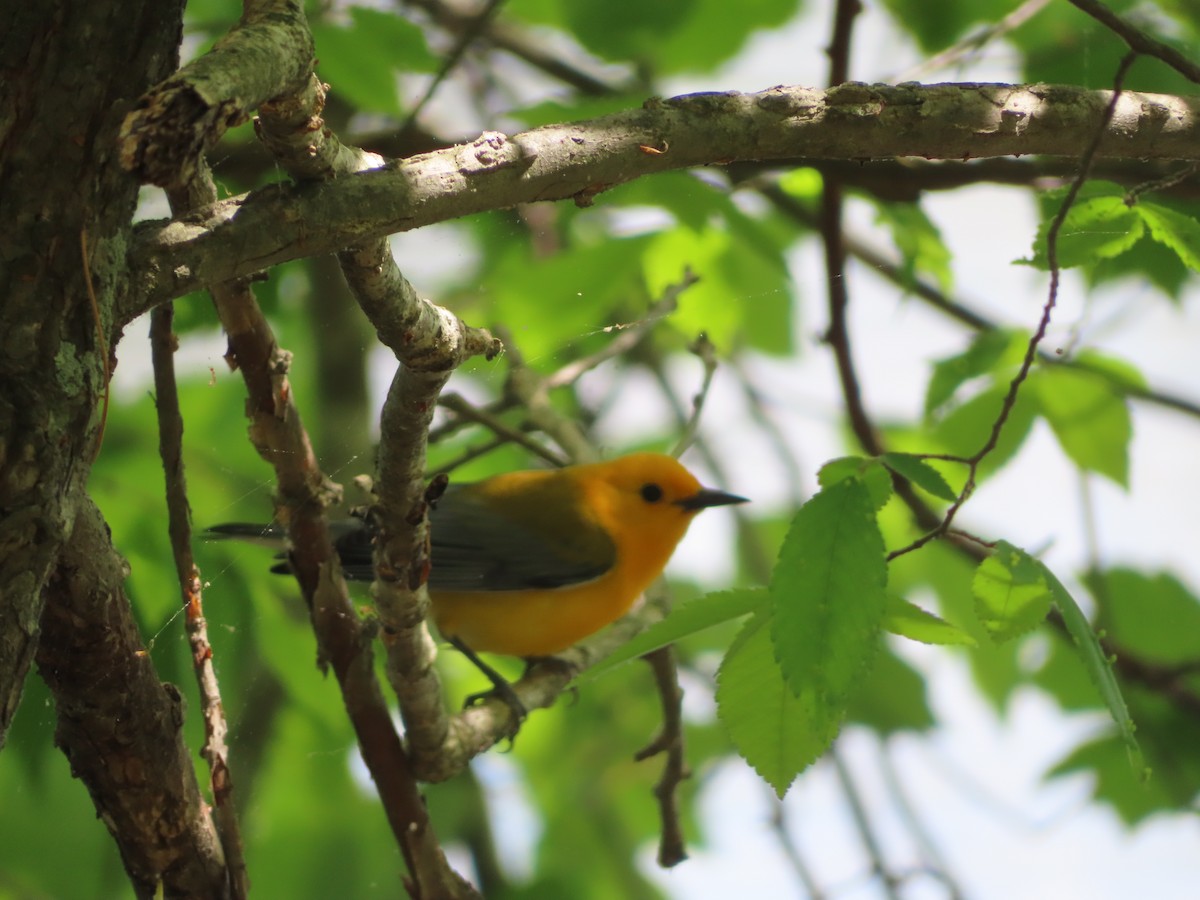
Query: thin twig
{"points": [[973, 42], [1170, 180], [795, 859], [466, 36], [459, 405], [521, 44], [1031, 350], [629, 337], [429, 343], [1138, 40], [935, 863], [839, 43], [278, 434], [702, 348], [215, 750], [785, 453], [443, 431], [957, 310], [672, 848], [469, 455], [862, 824]]}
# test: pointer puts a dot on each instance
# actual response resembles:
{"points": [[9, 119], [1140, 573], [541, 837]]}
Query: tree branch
{"points": [[120, 726], [955, 308], [672, 849], [270, 52], [243, 235], [517, 41], [1138, 41], [1010, 397], [215, 751]]}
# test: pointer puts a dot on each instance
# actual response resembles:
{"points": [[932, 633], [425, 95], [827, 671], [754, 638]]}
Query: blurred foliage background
{"points": [[567, 813]]}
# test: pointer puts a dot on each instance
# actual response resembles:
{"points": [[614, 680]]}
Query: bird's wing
{"points": [[480, 544]]}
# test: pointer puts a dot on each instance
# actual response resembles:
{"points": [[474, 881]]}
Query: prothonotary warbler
{"points": [[528, 563]]}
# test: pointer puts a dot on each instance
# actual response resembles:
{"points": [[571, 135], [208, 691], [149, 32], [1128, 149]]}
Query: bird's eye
{"points": [[651, 492]]}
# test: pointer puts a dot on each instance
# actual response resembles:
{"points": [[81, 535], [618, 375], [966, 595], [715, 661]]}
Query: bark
{"points": [[71, 70], [119, 726], [239, 236]]}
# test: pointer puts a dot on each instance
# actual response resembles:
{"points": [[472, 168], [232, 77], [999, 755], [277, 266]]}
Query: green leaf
{"points": [[1098, 666], [1105, 764], [777, 730], [1011, 592], [683, 621], [965, 430], [585, 284], [361, 61], [990, 351], [1094, 229], [1173, 230], [938, 23], [891, 698], [920, 473], [1150, 616], [739, 285], [675, 36], [922, 250], [869, 471], [910, 621], [1148, 262], [803, 184], [1089, 417], [1122, 375], [828, 592]]}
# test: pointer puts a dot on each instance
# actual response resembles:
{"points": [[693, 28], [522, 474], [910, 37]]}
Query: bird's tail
{"points": [[265, 535]]}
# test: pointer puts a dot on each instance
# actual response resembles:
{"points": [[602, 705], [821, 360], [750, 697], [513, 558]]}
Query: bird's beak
{"points": [[706, 497]]}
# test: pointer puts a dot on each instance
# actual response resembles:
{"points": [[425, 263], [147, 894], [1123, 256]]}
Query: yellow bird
{"points": [[528, 563]]}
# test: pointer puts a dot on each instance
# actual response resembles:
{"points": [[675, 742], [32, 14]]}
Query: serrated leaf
{"points": [[1089, 417], [920, 473], [777, 730], [683, 621], [1097, 665], [1173, 230], [910, 621], [828, 592], [1094, 229], [869, 471], [986, 353], [1011, 593], [841, 469]]}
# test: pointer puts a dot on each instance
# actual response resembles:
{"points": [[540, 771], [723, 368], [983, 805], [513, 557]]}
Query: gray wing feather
{"points": [[475, 550]]}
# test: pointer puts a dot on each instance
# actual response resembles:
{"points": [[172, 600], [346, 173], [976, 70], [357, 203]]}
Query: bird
{"points": [[529, 563]]}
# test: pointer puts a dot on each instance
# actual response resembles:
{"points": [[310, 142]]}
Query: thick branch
{"points": [[429, 342], [270, 52], [67, 70], [252, 232], [120, 726]]}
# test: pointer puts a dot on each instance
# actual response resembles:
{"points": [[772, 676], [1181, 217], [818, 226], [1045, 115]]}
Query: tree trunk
{"points": [[70, 71]]}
